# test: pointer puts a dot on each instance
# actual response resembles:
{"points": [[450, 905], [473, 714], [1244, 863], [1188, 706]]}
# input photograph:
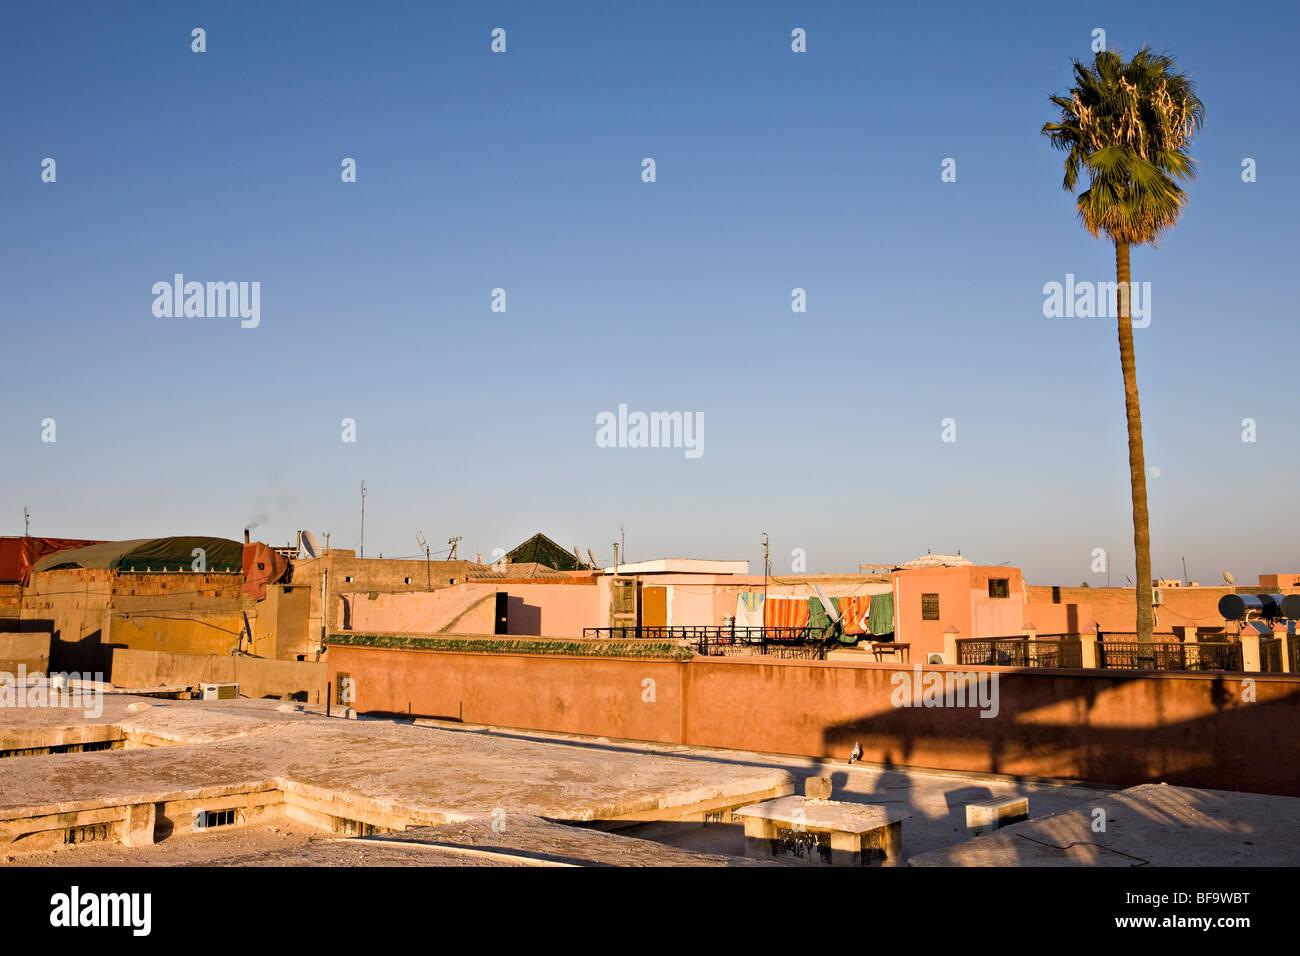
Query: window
{"points": [[999, 587], [623, 596], [207, 819], [929, 607], [406, 580]]}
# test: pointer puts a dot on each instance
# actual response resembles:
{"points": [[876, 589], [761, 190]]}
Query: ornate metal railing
{"points": [[714, 640], [719, 633], [1046, 650], [1270, 655], [1169, 656]]}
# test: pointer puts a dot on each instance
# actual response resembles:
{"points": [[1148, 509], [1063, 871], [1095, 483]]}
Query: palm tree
{"points": [[1129, 125]]}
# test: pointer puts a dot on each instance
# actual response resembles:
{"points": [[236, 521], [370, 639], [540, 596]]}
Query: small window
{"points": [[929, 607], [999, 587], [348, 578], [207, 819], [406, 580]]}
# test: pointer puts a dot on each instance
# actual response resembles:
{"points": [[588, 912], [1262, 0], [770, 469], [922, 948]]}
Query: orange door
{"points": [[654, 606]]}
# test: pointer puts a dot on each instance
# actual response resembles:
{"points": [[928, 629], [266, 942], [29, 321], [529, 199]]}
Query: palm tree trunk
{"points": [[1136, 459]]}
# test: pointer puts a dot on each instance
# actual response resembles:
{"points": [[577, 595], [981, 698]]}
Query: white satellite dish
{"points": [[1227, 576], [832, 610], [310, 546]]}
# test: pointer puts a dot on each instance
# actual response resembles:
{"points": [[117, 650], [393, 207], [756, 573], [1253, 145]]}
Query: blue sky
{"points": [[522, 171]]}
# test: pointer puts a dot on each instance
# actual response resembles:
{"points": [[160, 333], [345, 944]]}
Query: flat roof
{"points": [[680, 566]]}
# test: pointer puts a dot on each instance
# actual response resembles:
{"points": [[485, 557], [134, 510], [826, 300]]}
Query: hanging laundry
{"points": [[855, 611], [880, 619], [749, 609], [818, 617], [785, 612]]}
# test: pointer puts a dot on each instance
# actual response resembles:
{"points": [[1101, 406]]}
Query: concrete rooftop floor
{"points": [[449, 779]]}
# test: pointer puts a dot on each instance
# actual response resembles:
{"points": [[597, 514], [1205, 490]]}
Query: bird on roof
{"points": [[857, 752]]}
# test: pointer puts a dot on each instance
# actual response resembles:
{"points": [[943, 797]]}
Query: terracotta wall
{"points": [[554, 609], [964, 604], [1116, 608], [256, 677], [31, 651], [1191, 729], [197, 632], [582, 696]]}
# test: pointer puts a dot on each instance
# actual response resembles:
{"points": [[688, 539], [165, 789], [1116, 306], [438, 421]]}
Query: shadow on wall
{"points": [[88, 655], [524, 619], [1205, 751]]}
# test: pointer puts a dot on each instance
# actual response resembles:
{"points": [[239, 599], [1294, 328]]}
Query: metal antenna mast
{"points": [[452, 542], [767, 564], [428, 568], [363, 519]]}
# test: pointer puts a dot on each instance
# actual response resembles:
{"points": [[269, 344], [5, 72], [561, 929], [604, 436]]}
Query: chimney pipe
{"points": [[245, 536]]}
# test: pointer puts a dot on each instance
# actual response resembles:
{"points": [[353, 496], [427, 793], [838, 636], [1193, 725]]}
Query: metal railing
{"points": [[713, 640], [1045, 650], [1115, 650], [1293, 647], [792, 643], [712, 633], [1133, 654], [1270, 655]]}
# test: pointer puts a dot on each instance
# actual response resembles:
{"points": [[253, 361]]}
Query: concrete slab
{"points": [[996, 813], [386, 773], [799, 830], [502, 841], [824, 814], [1152, 824]]}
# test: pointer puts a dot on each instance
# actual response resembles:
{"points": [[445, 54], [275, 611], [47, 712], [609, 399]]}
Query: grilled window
{"points": [[999, 587], [929, 607], [207, 819]]}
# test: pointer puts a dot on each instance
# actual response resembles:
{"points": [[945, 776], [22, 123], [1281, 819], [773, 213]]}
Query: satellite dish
{"points": [[310, 546], [1227, 576], [592, 558], [576, 556]]}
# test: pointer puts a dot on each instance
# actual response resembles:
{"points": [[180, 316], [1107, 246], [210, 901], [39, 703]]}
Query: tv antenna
{"points": [[27, 523], [428, 558], [767, 564], [452, 542]]}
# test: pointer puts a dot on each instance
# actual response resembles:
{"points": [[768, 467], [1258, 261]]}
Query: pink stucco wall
{"points": [[554, 609]]}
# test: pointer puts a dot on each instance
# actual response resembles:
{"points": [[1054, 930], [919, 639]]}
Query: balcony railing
{"points": [[1045, 650], [713, 640], [1127, 653], [1270, 655], [1115, 650]]}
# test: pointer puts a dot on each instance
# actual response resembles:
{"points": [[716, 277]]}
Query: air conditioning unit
{"points": [[935, 657], [219, 691], [1157, 597]]}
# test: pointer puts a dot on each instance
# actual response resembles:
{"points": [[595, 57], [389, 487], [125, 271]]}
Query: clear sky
{"points": [[522, 170]]}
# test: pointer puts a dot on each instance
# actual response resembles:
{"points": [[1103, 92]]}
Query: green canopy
{"points": [[540, 549], [150, 554]]}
